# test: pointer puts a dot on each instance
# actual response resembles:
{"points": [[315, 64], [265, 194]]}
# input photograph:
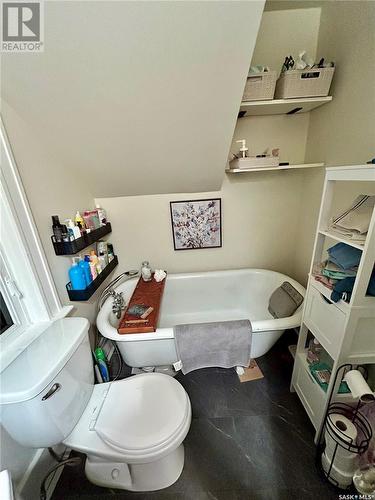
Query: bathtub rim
{"points": [[258, 326]]}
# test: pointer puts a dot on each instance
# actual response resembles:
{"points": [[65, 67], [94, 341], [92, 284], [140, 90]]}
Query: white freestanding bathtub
{"points": [[198, 298]]}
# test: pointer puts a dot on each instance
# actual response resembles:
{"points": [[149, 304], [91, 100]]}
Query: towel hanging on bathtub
{"points": [[203, 345]]}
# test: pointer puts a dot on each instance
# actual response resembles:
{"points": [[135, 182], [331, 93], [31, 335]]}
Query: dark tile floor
{"points": [[249, 441]]}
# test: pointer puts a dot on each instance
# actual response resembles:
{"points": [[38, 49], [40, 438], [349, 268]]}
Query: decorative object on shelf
{"points": [[82, 295], [196, 224]]}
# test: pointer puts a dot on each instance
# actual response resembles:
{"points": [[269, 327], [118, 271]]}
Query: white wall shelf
{"points": [[267, 169], [282, 106]]}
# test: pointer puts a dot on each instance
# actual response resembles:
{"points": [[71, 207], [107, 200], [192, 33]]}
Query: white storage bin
{"points": [[254, 162], [325, 320], [304, 83], [260, 86]]}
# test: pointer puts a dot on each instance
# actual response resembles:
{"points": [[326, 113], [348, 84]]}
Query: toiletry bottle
{"points": [[146, 271], [100, 359], [243, 149], [102, 215], [110, 251], [73, 230], [78, 219], [85, 266], [57, 228], [76, 275], [94, 259], [93, 270], [103, 260]]}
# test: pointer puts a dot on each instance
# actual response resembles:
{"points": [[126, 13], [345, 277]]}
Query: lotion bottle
{"points": [[76, 275]]}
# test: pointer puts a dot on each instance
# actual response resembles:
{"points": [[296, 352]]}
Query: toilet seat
{"points": [[143, 414]]}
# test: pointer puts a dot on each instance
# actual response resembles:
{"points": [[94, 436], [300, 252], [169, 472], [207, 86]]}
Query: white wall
{"points": [[142, 97], [341, 133], [257, 213], [259, 209]]}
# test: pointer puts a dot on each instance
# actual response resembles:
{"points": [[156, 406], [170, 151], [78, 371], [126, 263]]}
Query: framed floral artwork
{"points": [[196, 224]]}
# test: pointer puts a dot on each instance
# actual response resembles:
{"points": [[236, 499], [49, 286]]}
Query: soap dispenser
{"points": [[243, 149]]}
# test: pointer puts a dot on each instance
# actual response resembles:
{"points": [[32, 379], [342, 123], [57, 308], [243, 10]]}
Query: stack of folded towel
{"points": [[341, 265], [339, 271], [353, 223]]}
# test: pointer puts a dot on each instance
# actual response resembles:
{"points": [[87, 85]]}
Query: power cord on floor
{"points": [[71, 462]]}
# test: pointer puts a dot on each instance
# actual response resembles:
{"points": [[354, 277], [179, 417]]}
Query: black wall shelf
{"points": [[75, 246], [82, 295]]}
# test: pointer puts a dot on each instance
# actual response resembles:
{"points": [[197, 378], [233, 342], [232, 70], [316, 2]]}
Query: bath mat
{"points": [[253, 372]]}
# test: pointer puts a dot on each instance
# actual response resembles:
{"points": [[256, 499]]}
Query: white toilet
{"points": [[131, 430]]}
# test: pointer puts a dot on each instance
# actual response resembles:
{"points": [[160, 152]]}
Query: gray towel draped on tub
{"points": [[203, 345]]}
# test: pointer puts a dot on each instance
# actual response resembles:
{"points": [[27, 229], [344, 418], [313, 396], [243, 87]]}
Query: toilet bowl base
{"points": [[150, 476]]}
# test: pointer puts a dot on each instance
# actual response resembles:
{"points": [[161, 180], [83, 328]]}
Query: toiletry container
{"points": [[146, 271], [94, 259], [59, 230], [103, 260], [73, 231], [85, 266], [76, 276], [102, 215]]}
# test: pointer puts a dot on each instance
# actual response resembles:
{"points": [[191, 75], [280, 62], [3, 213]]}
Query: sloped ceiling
{"points": [[137, 97]]}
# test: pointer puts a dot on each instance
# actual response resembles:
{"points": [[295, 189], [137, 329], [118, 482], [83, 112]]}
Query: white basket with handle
{"points": [[314, 82], [260, 86]]}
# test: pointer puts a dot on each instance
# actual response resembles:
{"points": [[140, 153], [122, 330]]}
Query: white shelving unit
{"points": [[282, 106], [345, 330], [267, 169]]}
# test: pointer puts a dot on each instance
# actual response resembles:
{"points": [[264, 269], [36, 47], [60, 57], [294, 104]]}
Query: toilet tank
{"points": [[45, 390]]}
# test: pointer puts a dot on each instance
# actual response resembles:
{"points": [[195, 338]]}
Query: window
{"points": [[6, 320], [28, 294]]}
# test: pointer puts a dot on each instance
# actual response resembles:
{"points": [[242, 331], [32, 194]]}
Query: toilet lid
{"points": [[142, 411]]}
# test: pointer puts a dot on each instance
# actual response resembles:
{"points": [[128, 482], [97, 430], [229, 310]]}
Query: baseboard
{"points": [[28, 487]]}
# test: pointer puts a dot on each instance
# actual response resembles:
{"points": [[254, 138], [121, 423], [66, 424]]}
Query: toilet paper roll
{"points": [[343, 479], [358, 386], [344, 460], [342, 427]]}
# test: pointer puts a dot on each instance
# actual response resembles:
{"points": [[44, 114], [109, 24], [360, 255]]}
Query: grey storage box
{"points": [[313, 82]]}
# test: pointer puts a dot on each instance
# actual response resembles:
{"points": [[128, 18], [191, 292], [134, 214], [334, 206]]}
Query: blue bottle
{"points": [[85, 266], [77, 277]]}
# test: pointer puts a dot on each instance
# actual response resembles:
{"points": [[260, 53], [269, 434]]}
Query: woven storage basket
{"points": [[260, 86], [304, 83]]}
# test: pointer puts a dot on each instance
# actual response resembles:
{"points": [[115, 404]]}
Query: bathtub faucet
{"points": [[118, 300], [118, 303]]}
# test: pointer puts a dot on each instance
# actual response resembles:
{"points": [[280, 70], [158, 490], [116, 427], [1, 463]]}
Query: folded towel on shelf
{"points": [[344, 256], [332, 270], [354, 222], [343, 288], [202, 345]]}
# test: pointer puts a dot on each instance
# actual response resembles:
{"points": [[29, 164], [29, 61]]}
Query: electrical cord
{"points": [[71, 462], [58, 458]]}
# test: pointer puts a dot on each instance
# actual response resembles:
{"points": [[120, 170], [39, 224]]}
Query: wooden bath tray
{"points": [[149, 293]]}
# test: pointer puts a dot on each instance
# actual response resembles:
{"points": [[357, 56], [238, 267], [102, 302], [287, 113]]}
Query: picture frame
{"points": [[196, 224]]}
